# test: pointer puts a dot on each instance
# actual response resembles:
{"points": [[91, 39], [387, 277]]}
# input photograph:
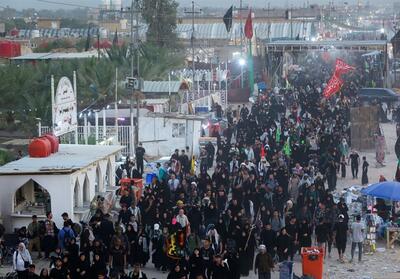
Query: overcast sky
{"points": [[19, 4]]}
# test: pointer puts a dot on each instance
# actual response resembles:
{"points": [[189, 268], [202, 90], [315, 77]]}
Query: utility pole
{"points": [[193, 12], [138, 75], [241, 9]]}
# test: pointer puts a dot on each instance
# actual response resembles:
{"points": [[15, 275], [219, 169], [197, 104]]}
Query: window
{"points": [[178, 130]]}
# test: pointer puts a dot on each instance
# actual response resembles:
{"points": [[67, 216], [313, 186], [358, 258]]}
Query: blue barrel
{"points": [[149, 178], [286, 270]]}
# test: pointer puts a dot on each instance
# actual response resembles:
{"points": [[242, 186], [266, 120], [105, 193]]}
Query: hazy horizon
{"points": [[21, 4]]}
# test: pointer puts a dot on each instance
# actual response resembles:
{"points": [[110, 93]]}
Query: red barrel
{"points": [[39, 148], [53, 141]]}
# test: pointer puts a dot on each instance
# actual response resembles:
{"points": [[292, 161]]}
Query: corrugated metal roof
{"points": [[71, 157], [274, 30], [161, 86], [328, 43], [56, 55]]}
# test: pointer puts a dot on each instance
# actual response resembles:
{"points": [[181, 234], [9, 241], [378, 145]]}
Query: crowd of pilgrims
{"points": [[268, 181]]}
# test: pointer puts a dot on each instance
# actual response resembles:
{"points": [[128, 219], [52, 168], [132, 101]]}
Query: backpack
{"points": [[67, 237]]}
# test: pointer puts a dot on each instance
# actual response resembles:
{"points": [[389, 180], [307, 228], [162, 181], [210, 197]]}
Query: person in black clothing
{"points": [[140, 151], [31, 272], [59, 272], [292, 231], [184, 160], [364, 177], [219, 269], [340, 236], [82, 268], [97, 267], [354, 159], [304, 234], [321, 233], [176, 273], [283, 244], [268, 238], [196, 265], [137, 273], [207, 254], [210, 154]]}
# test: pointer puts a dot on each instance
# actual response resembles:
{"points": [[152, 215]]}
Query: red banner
{"points": [[333, 86], [342, 67], [248, 28]]}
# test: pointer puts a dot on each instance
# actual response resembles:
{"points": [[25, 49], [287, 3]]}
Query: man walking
{"points": [[140, 151], [34, 236], [354, 159], [357, 237], [263, 264]]}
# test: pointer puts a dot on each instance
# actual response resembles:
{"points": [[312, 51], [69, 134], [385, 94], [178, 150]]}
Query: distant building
{"points": [[49, 23]]}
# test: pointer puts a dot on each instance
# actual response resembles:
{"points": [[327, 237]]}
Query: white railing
{"points": [[87, 135]]}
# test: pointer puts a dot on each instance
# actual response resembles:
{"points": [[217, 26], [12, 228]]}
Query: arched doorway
{"points": [[86, 191], [32, 199], [77, 194]]}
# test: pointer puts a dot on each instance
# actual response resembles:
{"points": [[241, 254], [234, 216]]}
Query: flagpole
{"points": [[251, 69]]}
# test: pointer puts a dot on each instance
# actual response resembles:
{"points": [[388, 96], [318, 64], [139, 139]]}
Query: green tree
{"points": [[160, 15]]}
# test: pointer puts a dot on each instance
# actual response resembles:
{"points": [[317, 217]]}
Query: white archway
{"points": [[86, 191], [31, 198], [77, 194]]}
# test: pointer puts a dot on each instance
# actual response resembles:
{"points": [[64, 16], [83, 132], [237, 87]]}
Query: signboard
{"points": [[64, 108], [2, 28]]}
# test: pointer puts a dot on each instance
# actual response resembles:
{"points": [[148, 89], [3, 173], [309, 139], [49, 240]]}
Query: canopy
{"points": [[382, 94], [387, 190]]}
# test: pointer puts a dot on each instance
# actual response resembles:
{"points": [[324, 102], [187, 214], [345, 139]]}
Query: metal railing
{"points": [[87, 135]]}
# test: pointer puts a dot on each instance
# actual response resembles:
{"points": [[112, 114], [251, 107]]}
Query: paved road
{"points": [[382, 265]]}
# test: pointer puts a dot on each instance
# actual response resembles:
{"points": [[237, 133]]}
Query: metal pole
{"points": [[138, 75], [131, 135], [226, 86], [169, 92], [241, 27], [39, 127], [52, 102], [76, 99], [96, 124], [116, 101], [192, 41], [85, 127], [104, 124]]}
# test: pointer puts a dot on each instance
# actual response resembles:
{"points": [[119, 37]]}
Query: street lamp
{"points": [[242, 62]]}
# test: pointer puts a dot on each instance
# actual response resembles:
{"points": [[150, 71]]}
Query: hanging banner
{"points": [[333, 86], [342, 67], [64, 108]]}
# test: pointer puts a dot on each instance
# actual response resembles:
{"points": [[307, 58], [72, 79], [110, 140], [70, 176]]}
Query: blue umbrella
{"points": [[387, 190]]}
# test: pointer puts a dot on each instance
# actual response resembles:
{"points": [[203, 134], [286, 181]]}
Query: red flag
{"points": [[333, 86], [248, 28], [262, 152], [342, 67]]}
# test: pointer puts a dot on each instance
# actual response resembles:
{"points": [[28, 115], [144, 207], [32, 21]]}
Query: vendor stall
{"points": [[66, 181]]}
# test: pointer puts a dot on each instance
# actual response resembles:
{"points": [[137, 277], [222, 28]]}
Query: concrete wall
{"points": [[156, 135]]}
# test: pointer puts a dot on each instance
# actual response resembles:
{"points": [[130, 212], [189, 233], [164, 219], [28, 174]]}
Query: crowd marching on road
{"points": [[258, 196]]}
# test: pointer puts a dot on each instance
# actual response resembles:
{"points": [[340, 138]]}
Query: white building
{"points": [[162, 133], [66, 181]]}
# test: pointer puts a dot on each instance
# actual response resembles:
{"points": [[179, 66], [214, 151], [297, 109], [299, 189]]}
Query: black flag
{"points": [[115, 40], [228, 19]]}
